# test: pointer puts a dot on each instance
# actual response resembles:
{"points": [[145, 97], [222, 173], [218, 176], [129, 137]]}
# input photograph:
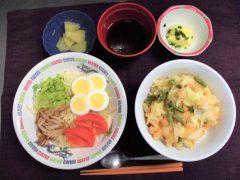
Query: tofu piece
{"points": [[69, 42], [77, 36], [61, 45], [71, 26], [79, 47]]}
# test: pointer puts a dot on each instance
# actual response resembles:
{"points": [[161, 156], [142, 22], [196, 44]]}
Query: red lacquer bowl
{"points": [[131, 11]]}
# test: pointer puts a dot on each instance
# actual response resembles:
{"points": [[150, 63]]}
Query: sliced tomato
{"points": [[94, 121], [80, 137], [75, 141]]}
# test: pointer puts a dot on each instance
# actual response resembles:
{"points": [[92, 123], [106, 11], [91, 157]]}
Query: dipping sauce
{"points": [[179, 36], [127, 36]]}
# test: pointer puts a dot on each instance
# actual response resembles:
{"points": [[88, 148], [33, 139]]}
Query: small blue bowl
{"points": [[55, 29]]}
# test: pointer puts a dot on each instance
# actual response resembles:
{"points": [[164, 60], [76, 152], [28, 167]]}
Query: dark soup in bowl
{"points": [[126, 29], [127, 36]]}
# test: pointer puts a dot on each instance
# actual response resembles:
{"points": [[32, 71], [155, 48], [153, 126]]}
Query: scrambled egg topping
{"points": [[179, 36], [179, 109]]}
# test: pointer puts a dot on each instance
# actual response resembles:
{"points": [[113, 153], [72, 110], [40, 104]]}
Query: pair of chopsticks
{"points": [[170, 167]]}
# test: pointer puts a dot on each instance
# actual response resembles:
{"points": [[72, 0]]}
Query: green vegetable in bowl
{"points": [[51, 93], [200, 81]]}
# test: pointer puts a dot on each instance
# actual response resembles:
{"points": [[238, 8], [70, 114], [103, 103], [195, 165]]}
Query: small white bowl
{"points": [[217, 136], [191, 17]]}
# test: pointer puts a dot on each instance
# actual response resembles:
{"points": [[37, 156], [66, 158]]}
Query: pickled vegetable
{"points": [[73, 39], [77, 36], [61, 45], [71, 26], [79, 47], [69, 42]]}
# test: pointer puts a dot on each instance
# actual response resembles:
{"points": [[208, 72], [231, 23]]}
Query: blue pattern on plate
{"points": [[55, 29]]}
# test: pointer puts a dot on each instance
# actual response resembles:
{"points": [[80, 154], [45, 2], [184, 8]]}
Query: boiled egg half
{"points": [[82, 85], [98, 100], [79, 104], [99, 81]]}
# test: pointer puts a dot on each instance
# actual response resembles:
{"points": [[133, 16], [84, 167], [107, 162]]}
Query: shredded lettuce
{"points": [[51, 93]]}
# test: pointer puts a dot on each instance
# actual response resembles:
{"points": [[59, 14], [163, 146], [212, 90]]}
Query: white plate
{"points": [[24, 118]]}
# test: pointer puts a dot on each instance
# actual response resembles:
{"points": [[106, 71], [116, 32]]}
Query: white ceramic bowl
{"points": [[217, 136], [191, 17], [24, 117]]}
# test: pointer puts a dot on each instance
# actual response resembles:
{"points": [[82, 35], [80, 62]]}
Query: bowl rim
{"points": [[124, 4], [141, 127], [199, 12], [51, 59], [59, 14]]}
